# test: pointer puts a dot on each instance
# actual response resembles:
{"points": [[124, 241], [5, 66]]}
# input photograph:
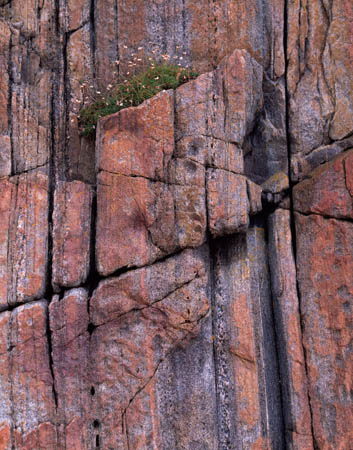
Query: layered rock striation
{"points": [[183, 281]]}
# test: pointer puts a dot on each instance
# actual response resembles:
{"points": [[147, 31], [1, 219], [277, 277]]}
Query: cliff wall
{"points": [[183, 281]]}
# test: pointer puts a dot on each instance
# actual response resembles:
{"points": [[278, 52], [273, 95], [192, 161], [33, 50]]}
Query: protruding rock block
{"points": [[227, 202], [254, 196], [71, 233], [329, 189], [221, 104], [24, 231], [138, 141], [152, 193], [190, 215]]}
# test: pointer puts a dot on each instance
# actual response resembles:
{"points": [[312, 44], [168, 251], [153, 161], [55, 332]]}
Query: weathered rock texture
{"points": [[185, 280]]}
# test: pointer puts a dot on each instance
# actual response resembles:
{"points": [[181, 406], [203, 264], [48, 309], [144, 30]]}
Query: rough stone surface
{"points": [[227, 202], [319, 76], [325, 286], [69, 320], [28, 415], [138, 141], [329, 189], [71, 233], [297, 418], [247, 384], [131, 213], [140, 317], [196, 256], [24, 231], [5, 156]]}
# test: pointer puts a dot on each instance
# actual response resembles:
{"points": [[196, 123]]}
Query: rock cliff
{"points": [[183, 281]]}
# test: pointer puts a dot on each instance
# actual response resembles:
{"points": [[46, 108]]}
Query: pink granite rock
{"points": [[71, 233]]}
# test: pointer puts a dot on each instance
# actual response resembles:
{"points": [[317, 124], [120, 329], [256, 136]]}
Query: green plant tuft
{"points": [[133, 92]]}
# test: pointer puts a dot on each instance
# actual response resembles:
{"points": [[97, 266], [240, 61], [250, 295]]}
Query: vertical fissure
{"points": [[93, 275], [51, 362], [52, 174], [278, 337], [291, 201], [51, 188]]}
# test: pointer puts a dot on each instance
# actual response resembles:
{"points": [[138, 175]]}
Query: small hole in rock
{"points": [[93, 391], [91, 327], [96, 424], [97, 440]]}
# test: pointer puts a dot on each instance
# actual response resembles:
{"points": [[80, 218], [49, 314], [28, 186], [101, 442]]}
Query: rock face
{"points": [[185, 280]]}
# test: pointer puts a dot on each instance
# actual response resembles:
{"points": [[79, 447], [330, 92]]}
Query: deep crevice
{"points": [[51, 362], [282, 363], [291, 200], [93, 277]]}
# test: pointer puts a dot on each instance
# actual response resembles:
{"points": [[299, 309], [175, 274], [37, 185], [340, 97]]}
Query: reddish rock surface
{"points": [[227, 202], [28, 415], [24, 232], [138, 141], [71, 234], [329, 189], [7, 189], [244, 359], [68, 320], [129, 211], [190, 331], [325, 286]]}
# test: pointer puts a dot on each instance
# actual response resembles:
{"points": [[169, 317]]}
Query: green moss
{"points": [[133, 92]]}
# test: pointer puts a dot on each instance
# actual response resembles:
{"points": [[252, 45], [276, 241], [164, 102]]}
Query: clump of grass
{"points": [[133, 92]]}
